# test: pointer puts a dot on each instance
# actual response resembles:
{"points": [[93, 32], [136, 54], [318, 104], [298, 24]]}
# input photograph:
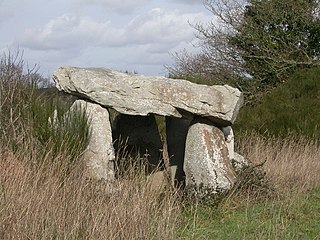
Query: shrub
{"points": [[29, 118], [290, 109]]}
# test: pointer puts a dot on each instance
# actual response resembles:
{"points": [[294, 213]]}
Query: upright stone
{"points": [[99, 156], [176, 129], [229, 137], [141, 136], [206, 162], [238, 162]]}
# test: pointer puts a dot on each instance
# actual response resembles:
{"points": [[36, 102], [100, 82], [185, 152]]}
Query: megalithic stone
{"points": [[142, 95], [229, 137], [99, 155], [206, 163]]}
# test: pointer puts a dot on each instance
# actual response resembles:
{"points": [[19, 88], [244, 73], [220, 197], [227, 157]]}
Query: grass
{"points": [[44, 193], [292, 166], [43, 202], [294, 218]]}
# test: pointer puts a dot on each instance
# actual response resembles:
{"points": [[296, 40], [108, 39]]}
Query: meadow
{"points": [[45, 195]]}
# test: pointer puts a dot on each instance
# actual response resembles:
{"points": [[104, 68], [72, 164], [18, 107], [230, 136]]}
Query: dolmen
{"points": [[199, 135]]}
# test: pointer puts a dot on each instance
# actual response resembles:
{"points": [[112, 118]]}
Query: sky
{"points": [[133, 35]]}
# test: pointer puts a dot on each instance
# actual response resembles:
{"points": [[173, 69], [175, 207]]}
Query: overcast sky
{"points": [[121, 34]]}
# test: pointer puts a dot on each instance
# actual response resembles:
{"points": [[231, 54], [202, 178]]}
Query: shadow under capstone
{"points": [[140, 138]]}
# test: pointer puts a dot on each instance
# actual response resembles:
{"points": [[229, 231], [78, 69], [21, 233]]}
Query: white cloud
{"points": [[188, 1], [122, 7], [65, 32], [140, 43], [162, 28]]}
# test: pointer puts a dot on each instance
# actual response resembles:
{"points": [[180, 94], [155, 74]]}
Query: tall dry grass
{"points": [[291, 164], [43, 190], [42, 202]]}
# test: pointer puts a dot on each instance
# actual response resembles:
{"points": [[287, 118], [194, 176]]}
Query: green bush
{"points": [[57, 128], [30, 118], [292, 108]]}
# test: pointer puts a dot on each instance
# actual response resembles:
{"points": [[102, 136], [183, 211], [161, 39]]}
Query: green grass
{"points": [[294, 217]]}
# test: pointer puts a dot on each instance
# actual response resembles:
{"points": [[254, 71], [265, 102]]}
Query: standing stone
{"points": [[238, 162], [229, 137], [99, 156], [206, 162], [140, 135], [176, 129]]}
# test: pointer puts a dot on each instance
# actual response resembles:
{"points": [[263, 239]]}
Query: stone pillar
{"points": [[141, 136], [238, 162], [206, 163], [229, 137], [99, 156], [176, 130]]}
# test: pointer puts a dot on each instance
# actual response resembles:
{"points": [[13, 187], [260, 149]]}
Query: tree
{"points": [[277, 37], [254, 44]]}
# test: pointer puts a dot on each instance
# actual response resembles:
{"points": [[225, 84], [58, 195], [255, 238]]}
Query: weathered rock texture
{"points": [[206, 163], [140, 136], [198, 124], [141, 95], [99, 156], [229, 137], [239, 162]]}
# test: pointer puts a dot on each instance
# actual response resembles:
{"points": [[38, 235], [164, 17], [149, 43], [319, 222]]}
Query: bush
{"points": [[290, 109], [29, 118]]}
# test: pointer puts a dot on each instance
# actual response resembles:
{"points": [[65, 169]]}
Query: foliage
{"points": [[16, 90], [292, 108], [24, 112], [58, 128], [253, 44], [276, 37]]}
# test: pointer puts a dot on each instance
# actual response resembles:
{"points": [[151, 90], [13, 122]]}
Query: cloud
{"points": [[188, 1], [66, 32], [121, 7], [142, 43], [160, 27], [6, 10]]}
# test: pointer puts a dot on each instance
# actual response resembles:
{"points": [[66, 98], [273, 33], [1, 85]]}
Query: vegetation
{"points": [[44, 193], [276, 37], [254, 44], [290, 109], [45, 202], [292, 165], [270, 50], [28, 117]]}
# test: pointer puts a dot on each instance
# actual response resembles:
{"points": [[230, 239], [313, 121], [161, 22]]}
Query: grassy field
{"points": [[42, 202], [289, 210], [45, 195]]}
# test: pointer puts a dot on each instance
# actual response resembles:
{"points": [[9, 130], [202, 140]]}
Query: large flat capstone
{"points": [[134, 94]]}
